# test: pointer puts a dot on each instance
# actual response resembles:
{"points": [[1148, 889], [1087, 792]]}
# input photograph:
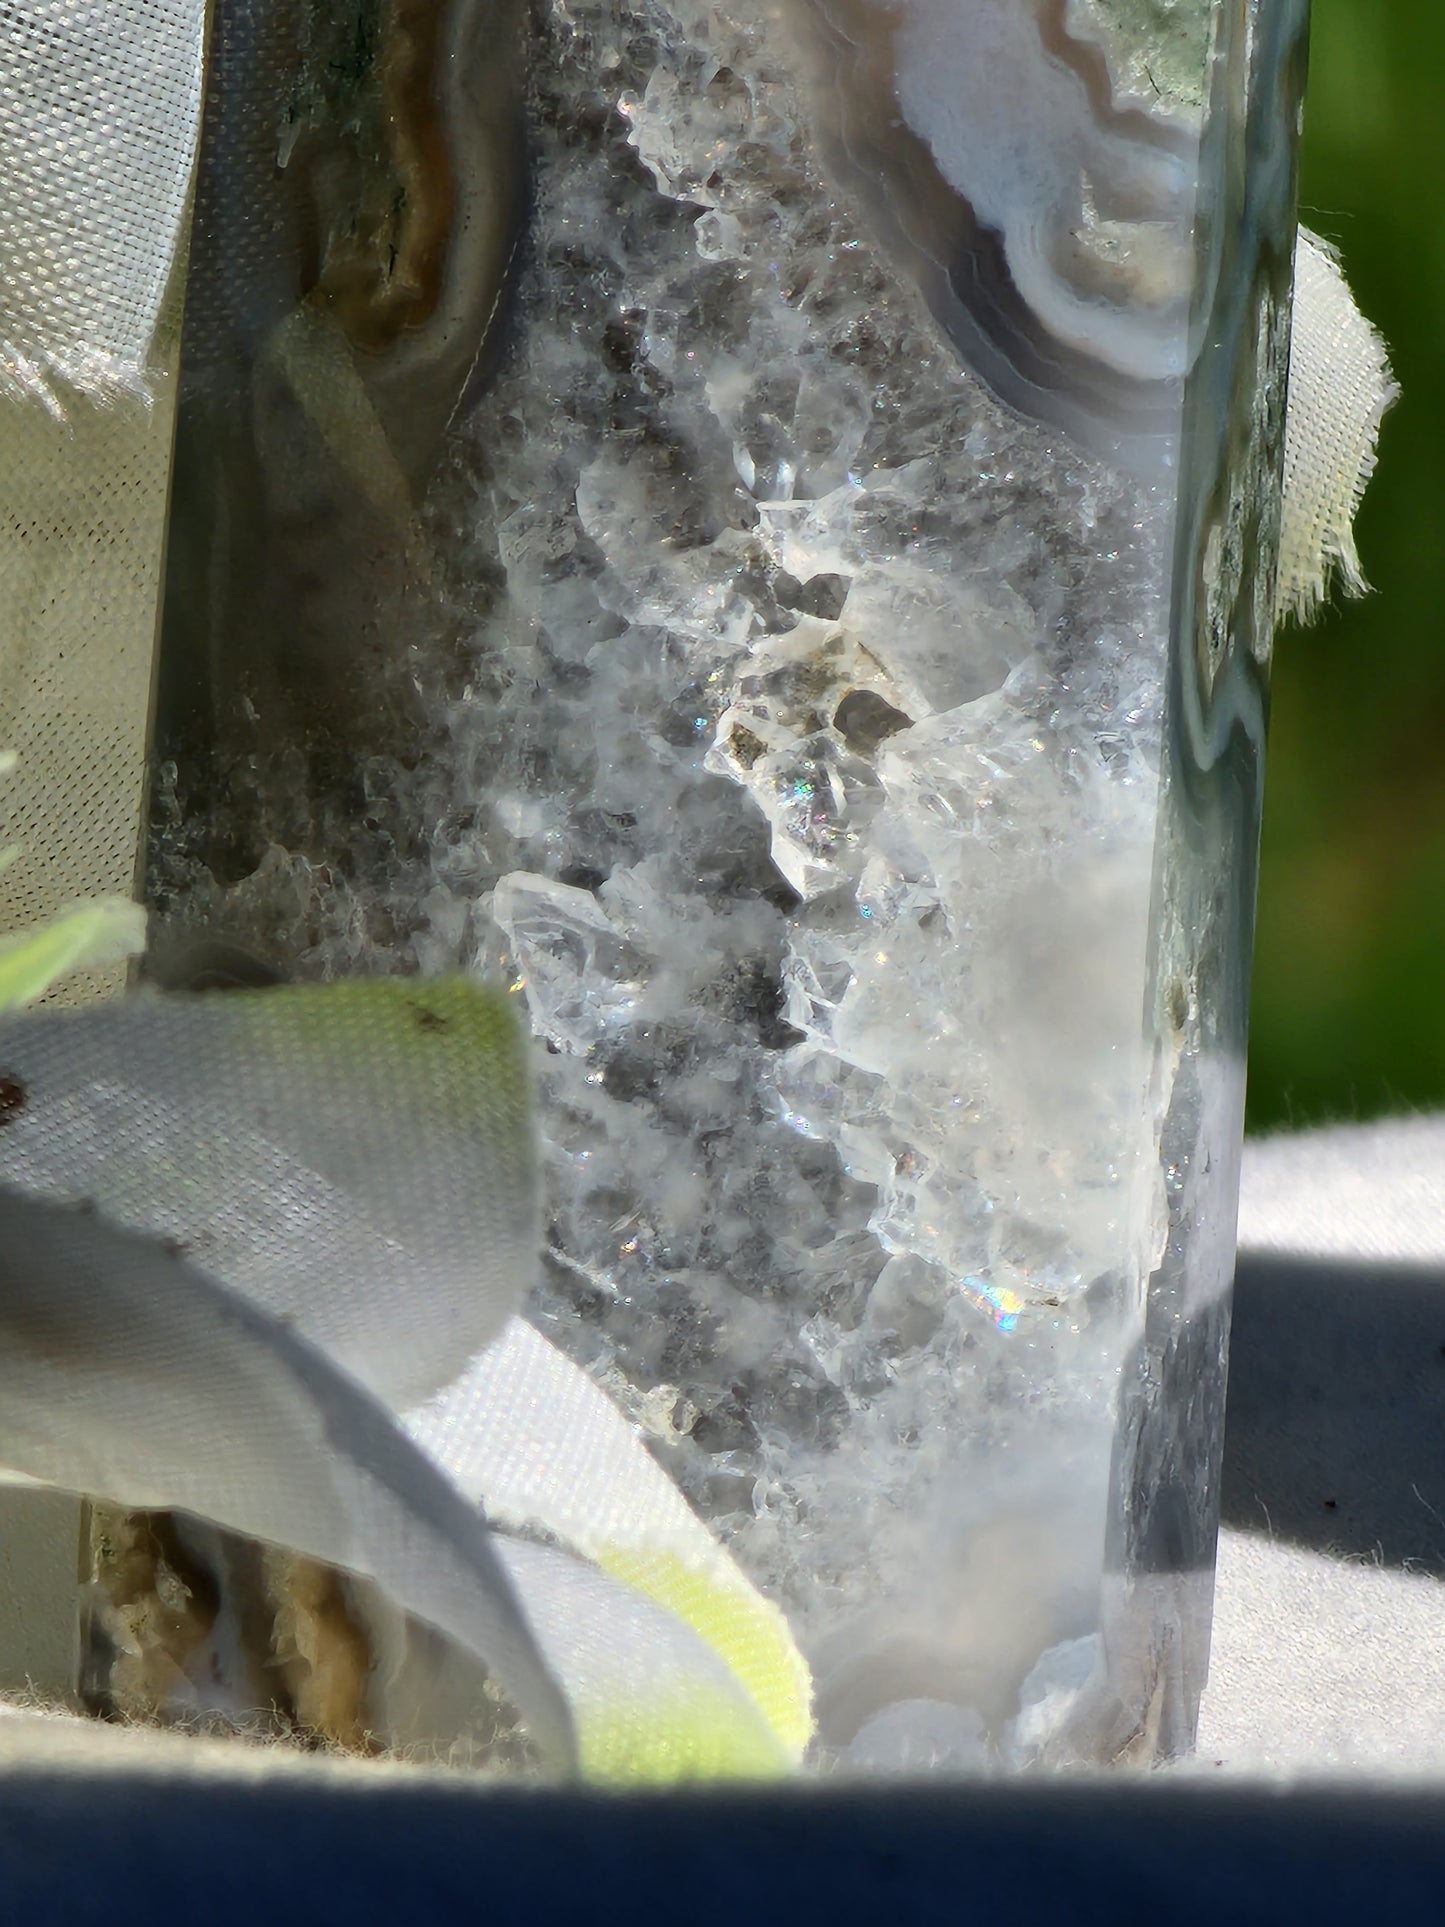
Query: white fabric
{"points": [[99, 124], [357, 1157], [529, 1436], [649, 1697], [1322, 1666], [1325, 1661], [1359, 1192], [1339, 388], [127, 1374], [99, 111], [527, 1431], [82, 524], [356, 1160]]}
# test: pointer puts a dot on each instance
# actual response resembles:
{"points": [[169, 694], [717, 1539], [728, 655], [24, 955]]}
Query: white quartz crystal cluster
{"points": [[809, 774]]}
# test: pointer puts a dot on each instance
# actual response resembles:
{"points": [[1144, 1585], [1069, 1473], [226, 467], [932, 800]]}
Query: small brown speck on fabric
{"points": [[12, 1097]]}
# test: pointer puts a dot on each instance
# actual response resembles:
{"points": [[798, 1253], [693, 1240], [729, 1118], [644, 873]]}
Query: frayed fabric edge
{"points": [[1341, 387], [53, 381]]}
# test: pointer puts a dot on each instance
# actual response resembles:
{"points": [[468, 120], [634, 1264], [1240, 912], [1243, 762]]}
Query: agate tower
{"points": [[753, 525]]}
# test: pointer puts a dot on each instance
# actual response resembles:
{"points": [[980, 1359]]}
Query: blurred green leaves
{"points": [[1348, 1014]]}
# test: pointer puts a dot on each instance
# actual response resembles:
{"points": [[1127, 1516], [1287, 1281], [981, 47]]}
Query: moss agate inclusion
{"points": [[817, 658]]}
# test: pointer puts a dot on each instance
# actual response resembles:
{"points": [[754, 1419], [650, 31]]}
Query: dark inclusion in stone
{"points": [[359, 197], [864, 720], [1044, 209]]}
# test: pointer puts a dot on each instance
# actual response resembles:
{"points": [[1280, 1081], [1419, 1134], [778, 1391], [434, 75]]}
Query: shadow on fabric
{"points": [[1335, 1423]]}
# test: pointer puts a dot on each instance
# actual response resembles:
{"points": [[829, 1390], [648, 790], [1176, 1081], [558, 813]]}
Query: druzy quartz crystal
{"points": [[753, 526]]}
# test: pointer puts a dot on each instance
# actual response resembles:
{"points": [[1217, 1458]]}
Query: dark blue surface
{"points": [[79, 1849]]}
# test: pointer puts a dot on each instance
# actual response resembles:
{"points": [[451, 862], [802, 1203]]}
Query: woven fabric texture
{"points": [[1339, 388], [99, 117], [99, 107]]}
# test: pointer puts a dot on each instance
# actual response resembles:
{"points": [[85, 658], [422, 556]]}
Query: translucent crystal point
{"points": [[788, 593]]}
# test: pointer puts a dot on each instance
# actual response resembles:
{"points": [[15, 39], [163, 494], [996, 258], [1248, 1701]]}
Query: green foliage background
{"points": [[1349, 988]]}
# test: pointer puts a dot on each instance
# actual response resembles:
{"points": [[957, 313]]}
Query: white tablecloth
{"points": [[1329, 1629]]}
